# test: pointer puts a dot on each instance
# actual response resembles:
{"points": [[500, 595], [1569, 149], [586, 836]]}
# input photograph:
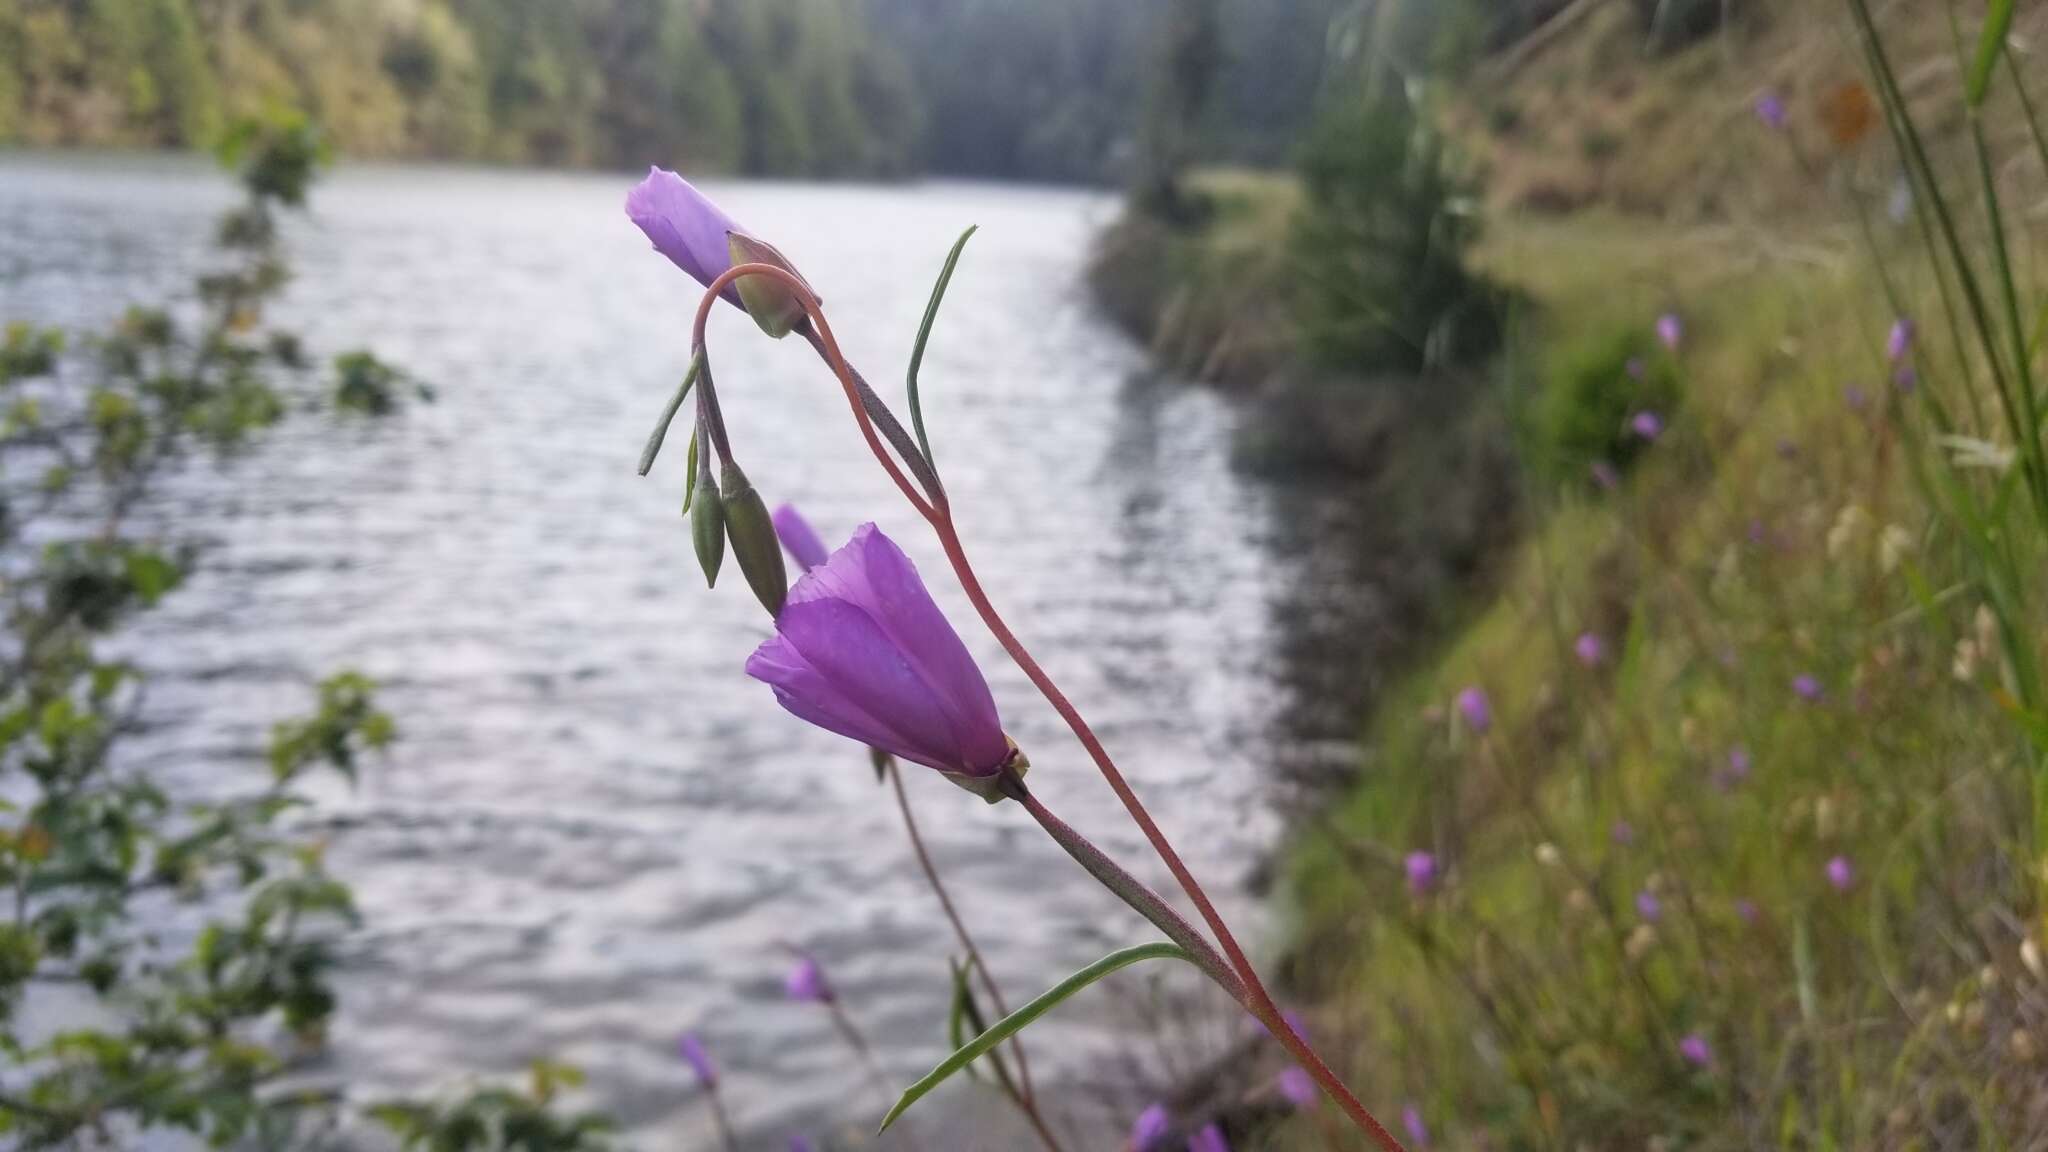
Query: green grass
{"points": [[1775, 531]]}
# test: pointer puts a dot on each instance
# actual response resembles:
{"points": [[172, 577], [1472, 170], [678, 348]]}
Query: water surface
{"points": [[595, 832]]}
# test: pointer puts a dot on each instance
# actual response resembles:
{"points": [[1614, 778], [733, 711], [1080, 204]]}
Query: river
{"points": [[594, 832]]}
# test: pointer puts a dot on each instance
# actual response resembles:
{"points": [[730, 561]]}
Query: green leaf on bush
{"points": [[1022, 1018]]}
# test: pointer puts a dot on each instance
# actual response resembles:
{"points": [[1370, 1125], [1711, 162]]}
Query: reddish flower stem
{"points": [[937, 511]]}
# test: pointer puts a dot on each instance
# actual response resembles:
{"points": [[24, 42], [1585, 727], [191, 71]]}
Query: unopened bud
{"points": [[775, 304], [707, 525], [754, 545]]}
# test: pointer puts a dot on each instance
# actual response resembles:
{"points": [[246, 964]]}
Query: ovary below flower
{"points": [[861, 650]]}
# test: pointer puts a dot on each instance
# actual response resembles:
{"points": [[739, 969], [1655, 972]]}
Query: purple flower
{"points": [[798, 538], [1473, 706], [1807, 688], [1152, 1126], [1299, 1088], [685, 226], [1900, 341], [1421, 868], [1696, 1050], [1623, 833], [1841, 873], [1670, 330], [1649, 907], [692, 1051], [1906, 379], [806, 983], [1737, 770], [861, 650], [1411, 1120], [1770, 109], [1647, 425], [1604, 475], [1209, 1139], [1591, 650]]}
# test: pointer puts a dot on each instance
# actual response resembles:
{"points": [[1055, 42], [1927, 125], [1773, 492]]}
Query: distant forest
{"points": [[1030, 89]]}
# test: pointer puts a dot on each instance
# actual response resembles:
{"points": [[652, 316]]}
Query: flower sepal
{"points": [[774, 304], [1002, 784]]}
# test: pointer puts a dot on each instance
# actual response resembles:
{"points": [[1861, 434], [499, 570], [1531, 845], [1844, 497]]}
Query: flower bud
{"points": [[774, 304], [707, 525], [754, 544]]}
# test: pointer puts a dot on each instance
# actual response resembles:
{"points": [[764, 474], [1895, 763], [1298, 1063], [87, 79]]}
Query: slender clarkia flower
{"points": [[1299, 1088], [1591, 650], [1209, 1139], [1841, 873], [1696, 1050], [1151, 1127], [685, 226], [860, 649], [806, 983], [691, 1048], [1670, 330], [1422, 872], [1411, 1121], [1474, 707]]}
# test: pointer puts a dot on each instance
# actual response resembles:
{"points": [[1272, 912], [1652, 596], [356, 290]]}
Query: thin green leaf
{"points": [[924, 333], [668, 414], [690, 485], [956, 1020], [1990, 45], [1022, 1018]]}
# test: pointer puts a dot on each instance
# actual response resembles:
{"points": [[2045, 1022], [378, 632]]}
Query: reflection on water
{"points": [[596, 832]]}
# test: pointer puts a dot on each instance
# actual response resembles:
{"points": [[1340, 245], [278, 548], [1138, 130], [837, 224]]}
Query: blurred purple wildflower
{"points": [[1746, 911], [1422, 872], [1151, 1127], [1770, 109], [1736, 771], [1623, 833], [1604, 475], [1841, 873], [685, 226], [692, 1051], [861, 650], [798, 538], [1411, 1121], [806, 983], [1807, 688], [1649, 907], [1906, 379], [1670, 330], [1299, 1088], [1855, 397], [1647, 425], [1696, 1050], [1591, 650], [1209, 1139], [1474, 707], [1900, 341]]}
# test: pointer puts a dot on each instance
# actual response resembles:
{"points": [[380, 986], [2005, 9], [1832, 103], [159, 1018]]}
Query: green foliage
{"points": [[1381, 245], [1593, 379], [500, 1119]]}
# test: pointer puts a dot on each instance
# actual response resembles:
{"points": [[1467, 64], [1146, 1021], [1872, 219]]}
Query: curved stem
{"points": [[719, 1120]]}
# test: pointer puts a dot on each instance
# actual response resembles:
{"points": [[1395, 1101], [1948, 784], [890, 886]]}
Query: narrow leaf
{"points": [[690, 485], [668, 414], [1990, 45], [956, 1020], [1017, 1021], [924, 334]]}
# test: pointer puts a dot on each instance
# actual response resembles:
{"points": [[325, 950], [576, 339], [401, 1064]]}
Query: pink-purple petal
{"points": [[863, 666], [810, 697], [685, 226]]}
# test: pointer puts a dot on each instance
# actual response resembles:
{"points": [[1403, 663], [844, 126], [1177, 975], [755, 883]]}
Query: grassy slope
{"points": [[1774, 532]]}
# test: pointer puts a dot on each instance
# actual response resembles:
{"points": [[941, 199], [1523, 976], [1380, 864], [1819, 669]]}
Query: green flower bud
{"points": [[754, 544], [707, 526], [776, 306]]}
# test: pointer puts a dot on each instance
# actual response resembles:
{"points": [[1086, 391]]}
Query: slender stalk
{"points": [[719, 1120], [936, 509], [1025, 1096]]}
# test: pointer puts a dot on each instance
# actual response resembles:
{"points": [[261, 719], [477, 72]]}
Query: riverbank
{"points": [[1704, 823]]}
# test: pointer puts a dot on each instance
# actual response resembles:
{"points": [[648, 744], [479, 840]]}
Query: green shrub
{"points": [[1592, 386]]}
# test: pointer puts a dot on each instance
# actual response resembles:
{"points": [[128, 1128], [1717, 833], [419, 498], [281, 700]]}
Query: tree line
{"points": [[1045, 90]]}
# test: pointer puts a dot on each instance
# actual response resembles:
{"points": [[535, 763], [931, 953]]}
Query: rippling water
{"points": [[595, 832]]}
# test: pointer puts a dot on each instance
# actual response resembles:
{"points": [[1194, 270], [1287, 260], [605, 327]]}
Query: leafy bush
{"points": [[1593, 384], [1381, 246]]}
